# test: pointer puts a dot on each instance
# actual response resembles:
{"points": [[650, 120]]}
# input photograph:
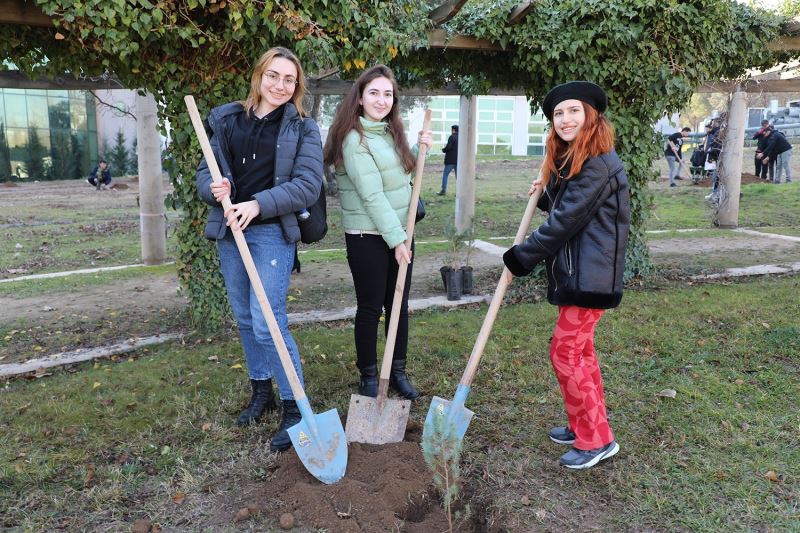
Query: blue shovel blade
{"points": [[446, 420], [323, 452]]}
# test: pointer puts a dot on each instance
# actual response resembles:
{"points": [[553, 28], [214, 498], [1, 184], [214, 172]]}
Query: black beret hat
{"points": [[585, 91]]}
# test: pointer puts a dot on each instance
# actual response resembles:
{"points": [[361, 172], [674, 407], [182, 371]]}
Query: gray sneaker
{"points": [[582, 459], [562, 435]]}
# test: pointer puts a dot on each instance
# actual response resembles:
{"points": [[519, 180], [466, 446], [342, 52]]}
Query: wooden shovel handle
{"points": [[397, 301], [244, 251], [497, 299]]}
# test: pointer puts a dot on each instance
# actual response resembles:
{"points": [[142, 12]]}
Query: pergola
{"points": [[153, 229]]}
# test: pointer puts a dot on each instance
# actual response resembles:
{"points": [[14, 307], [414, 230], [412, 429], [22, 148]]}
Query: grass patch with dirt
{"points": [[95, 446]]}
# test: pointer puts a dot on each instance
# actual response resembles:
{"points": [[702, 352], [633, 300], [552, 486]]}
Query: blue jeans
{"points": [[445, 174], [273, 257], [782, 162], [673, 167]]}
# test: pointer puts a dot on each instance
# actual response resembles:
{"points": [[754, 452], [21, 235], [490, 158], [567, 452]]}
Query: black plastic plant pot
{"points": [[453, 282], [467, 285]]}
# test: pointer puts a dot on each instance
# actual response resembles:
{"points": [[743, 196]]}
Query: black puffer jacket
{"points": [[584, 237], [298, 170]]}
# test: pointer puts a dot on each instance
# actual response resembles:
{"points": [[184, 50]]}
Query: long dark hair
{"points": [[350, 111], [594, 138]]}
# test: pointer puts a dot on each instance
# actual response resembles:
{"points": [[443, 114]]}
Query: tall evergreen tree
{"points": [[118, 156], [34, 163], [5, 155]]}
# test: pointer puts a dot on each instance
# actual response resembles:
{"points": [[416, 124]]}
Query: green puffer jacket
{"points": [[373, 186]]}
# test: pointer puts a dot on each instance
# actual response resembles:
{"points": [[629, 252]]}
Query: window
{"points": [[495, 125]]}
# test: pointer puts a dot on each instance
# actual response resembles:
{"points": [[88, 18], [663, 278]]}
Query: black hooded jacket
{"points": [[584, 237]]}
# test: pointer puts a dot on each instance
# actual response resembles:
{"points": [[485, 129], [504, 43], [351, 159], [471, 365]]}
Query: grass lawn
{"points": [[101, 444]]}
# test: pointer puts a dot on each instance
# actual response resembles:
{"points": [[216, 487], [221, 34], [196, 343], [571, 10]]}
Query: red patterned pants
{"points": [[578, 373]]}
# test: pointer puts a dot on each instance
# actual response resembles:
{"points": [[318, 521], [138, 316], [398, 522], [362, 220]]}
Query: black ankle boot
{"points": [[368, 386], [263, 399], [399, 382], [290, 416]]}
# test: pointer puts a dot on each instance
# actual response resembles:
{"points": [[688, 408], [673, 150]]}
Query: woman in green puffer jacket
{"points": [[368, 147]]}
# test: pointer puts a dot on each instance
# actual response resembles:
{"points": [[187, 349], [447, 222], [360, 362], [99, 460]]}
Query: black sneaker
{"points": [[582, 459], [562, 435]]}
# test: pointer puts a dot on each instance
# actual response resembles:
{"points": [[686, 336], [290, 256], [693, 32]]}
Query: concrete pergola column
{"points": [[465, 166], [731, 168], [151, 188]]}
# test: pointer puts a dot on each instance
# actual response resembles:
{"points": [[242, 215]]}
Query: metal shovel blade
{"points": [[320, 443], [446, 421], [374, 424]]}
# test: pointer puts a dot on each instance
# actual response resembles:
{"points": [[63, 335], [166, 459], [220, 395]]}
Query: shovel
{"points": [[381, 420], [318, 440], [447, 421]]}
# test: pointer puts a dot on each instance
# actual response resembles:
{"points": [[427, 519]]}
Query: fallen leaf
{"points": [[60, 37], [772, 476], [89, 477], [739, 382], [206, 426], [17, 468], [290, 298], [95, 385], [242, 514], [667, 393], [343, 515], [213, 358], [236, 366], [765, 325], [178, 497], [701, 342], [525, 500]]}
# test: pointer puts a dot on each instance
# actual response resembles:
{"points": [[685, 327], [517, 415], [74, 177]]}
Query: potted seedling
{"points": [[451, 273]]}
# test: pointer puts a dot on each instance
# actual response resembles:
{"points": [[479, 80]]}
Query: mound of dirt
{"points": [[384, 487]]}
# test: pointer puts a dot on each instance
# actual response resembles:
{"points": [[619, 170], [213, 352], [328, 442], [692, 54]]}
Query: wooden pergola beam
{"points": [[752, 86], [331, 87], [14, 79], [785, 43], [519, 12], [446, 11], [23, 13], [438, 39]]}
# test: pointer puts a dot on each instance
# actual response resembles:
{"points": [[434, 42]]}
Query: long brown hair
{"points": [[254, 97], [349, 112], [594, 138]]}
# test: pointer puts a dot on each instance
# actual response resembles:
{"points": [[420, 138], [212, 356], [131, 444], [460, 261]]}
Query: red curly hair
{"points": [[594, 138]]}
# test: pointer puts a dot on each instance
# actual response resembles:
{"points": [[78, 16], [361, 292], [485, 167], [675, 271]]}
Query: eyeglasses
{"points": [[273, 78]]}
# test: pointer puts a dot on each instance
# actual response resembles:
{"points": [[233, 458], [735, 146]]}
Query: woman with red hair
{"points": [[585, 192]]}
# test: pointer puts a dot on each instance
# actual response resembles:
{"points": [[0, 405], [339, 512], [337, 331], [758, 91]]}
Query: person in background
{"points": [[713, 147], [450, 158], [582, 243], [374, 164], [271, 158], [779, 151], [761, 143], [100, 176], [672, 152]]}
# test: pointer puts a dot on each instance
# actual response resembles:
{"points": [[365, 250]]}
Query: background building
{"points": [[61, 134]]}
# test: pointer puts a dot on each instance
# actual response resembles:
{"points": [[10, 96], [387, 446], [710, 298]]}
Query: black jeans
{"points": [[374, 271], [769, 167]]}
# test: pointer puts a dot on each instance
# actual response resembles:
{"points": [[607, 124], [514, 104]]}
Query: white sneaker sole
{"points": [[562, 441], [610, 453]]}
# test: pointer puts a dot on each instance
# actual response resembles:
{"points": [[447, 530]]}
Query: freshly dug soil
{"points": [[386, 488]]}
